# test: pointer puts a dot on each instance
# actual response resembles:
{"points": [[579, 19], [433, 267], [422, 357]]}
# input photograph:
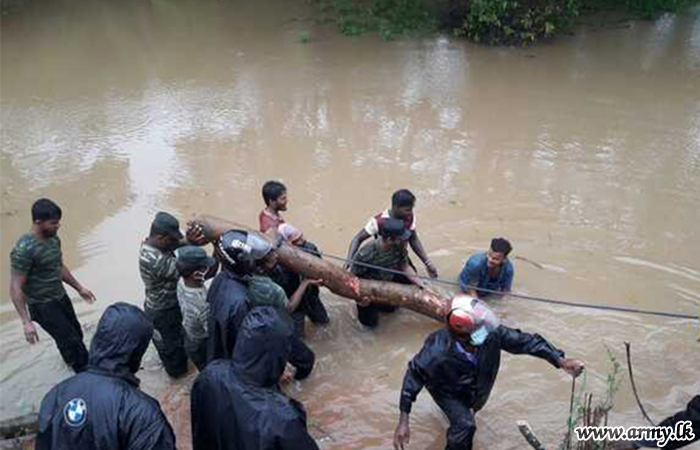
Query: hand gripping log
{"points": [[428, 302]]}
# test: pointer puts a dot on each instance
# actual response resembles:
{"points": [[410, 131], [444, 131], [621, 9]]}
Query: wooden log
{"points": [[427, 301]]}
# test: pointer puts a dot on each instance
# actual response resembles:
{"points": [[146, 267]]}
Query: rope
{"points": [[516, 294]]}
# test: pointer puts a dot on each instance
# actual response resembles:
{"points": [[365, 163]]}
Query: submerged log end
{"points": [[526, 431]]}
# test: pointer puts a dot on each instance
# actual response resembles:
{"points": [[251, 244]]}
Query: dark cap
{"points": [[192, 256], [393, 228], [165, 223]]}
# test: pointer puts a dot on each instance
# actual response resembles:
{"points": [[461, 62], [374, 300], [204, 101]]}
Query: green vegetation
{"points": [[494, 22], [587, 413], [303, 37], [516, 22]]}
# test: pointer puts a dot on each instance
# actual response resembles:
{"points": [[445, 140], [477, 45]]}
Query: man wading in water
{"points": [[402, 204], [459, 364], [158, 267], [490, 270], [36, 286]]}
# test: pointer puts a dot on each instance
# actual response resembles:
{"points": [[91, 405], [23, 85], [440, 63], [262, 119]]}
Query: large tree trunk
{"points": [[427, 301]]}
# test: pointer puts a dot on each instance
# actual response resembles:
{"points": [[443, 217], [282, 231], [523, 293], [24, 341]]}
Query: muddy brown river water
{"points": [[584, 151]]}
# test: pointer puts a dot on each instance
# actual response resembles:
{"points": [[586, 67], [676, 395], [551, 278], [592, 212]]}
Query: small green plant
{"points": [[303, 37], [585, 413]]}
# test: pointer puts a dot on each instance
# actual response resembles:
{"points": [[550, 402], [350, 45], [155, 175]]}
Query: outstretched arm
{"points": [[298, 295], [417, 247], [518, 342]]}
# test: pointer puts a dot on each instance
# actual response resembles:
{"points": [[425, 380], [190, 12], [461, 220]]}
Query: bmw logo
{"points": [[75, 412]]}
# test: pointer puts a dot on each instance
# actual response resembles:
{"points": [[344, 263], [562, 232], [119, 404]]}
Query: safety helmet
{"points": [[471, 314], [240, 250]]}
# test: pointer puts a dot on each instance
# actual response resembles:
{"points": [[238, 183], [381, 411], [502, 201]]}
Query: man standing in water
{"points": [[459, 364], [36, 286], [388, 252], [491, 270], [402, 204], [158, 267], [275, 196]]}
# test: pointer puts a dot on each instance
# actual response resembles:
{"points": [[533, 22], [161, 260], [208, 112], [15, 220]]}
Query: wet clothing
{"points": [[692, 414], [159, 274], [372, 226], [310, 305], [229, 302], [475, 274], [265, 292], [41, 261], [59, 320], [195, 318], [269, 220], [394, 258], [458, 385], [103, 408], [169, 339], [236, 404]]}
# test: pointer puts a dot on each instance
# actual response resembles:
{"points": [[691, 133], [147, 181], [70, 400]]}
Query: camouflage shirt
{"points": [[393, 258], [159, 275], [41, 261]]}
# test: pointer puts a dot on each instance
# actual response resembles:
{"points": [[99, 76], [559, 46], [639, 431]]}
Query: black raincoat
{"points": [[102, 408], [229, 304], [690, 414], [236, 403], [461, 387]]}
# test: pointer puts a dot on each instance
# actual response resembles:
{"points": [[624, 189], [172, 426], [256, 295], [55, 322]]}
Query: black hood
{"points": [[121, 339], [262, 346]]}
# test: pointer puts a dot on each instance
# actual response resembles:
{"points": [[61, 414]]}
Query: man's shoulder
{"points": [[264, 284], [477, 258], [508, 266], [26, 242], [152, 256]]}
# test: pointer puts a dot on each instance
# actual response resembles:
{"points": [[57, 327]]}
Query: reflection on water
{"points": [[585, 152]]}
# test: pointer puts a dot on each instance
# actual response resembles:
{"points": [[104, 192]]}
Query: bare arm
{"points": [[17, 280], [402, 435], [68, 278], [359, 238], [412, 276], [417, 247], [299, 294]]}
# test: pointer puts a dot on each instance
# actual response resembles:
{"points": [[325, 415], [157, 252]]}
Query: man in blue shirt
{"points": [[489, 270]]}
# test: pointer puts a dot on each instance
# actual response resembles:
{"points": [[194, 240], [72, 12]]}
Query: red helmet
{"points": [[470, 314]]}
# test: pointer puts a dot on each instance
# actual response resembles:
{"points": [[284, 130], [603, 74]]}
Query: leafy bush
{"points": [[516, 21]]}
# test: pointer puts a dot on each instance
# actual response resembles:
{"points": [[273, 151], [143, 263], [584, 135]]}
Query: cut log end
{"points": [[529, 435]]}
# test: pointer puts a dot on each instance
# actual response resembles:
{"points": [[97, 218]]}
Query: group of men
{"points": [[245, 333]]}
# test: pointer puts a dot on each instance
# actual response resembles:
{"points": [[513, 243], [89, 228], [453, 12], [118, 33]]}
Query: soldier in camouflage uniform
{"points": [[37, 290], [157, 264]]}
